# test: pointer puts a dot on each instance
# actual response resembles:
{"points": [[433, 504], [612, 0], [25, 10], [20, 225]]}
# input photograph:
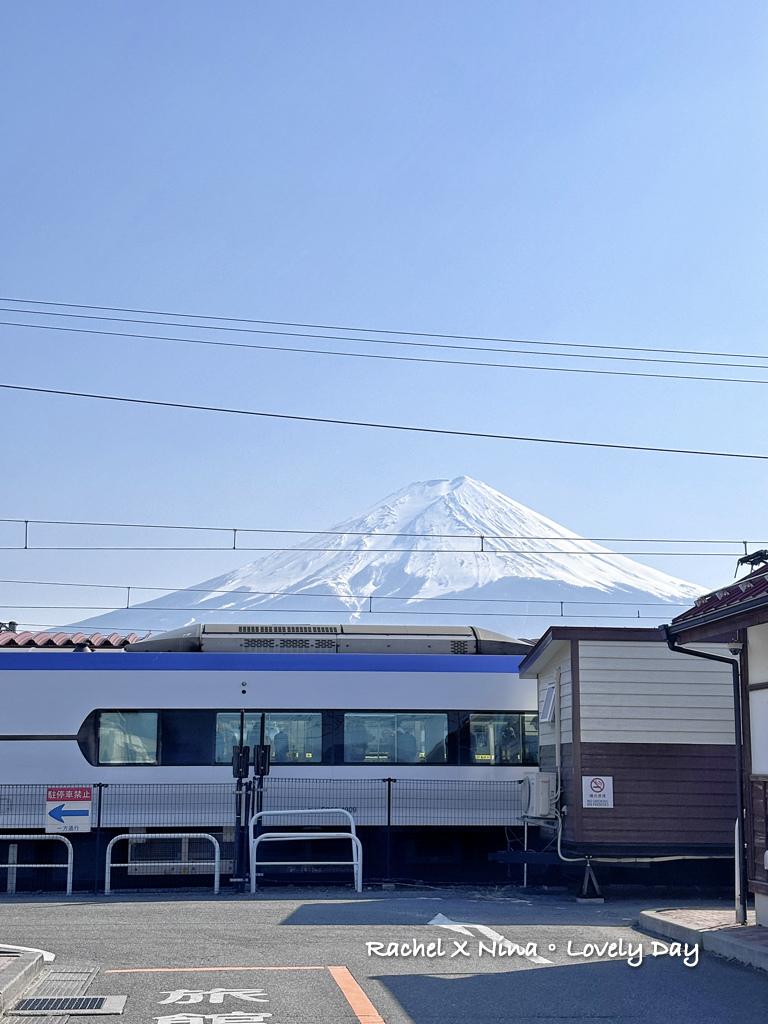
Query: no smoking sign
{"points": [[597, 791]]}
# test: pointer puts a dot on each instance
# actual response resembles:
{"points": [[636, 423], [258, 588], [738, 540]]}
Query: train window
{"points": [[395, 738], [296, 737], [495, 739], [228, 733], [530, 732], [128, 737]]}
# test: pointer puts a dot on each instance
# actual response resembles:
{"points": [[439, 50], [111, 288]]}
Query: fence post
{"points": [[99, 787], [13, 854], [389, 828]]}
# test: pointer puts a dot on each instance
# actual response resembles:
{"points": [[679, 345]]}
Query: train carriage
{"points": [[409, 728], [336, 701]]}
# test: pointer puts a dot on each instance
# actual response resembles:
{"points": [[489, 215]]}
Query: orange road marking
{"points": [[185, 970], [363, 1008], [361, 1005]]}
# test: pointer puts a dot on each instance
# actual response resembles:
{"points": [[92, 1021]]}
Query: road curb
{"points": [[18, 975], [746, 943]]}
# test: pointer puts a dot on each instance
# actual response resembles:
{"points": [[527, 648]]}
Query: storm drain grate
{"points": [[60, 1005]]}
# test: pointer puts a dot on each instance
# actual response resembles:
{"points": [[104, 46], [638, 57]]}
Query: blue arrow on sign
{"points": [[59, 813]]}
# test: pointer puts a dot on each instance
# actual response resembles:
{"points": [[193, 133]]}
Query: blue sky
{"points": [[582, 172]]}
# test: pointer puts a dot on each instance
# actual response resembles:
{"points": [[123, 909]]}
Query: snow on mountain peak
{"points": [[435, 539]]}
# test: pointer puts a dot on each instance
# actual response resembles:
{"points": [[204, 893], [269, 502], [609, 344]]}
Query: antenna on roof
{"points": [[754, 560]]}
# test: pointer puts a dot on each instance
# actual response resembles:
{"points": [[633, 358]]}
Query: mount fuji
{"points": [[440, 551]]}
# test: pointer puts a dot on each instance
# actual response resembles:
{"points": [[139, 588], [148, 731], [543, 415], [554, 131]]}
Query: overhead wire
{"points": [[368, 533], [312, 611], [501, 552], [344, 597], [135, 628], [400, 334], [376, 330], [367, 341], [380, 426], [400, 359]]}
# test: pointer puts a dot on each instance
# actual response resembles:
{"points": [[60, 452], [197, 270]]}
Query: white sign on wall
{"points": [[68, 808], [597, 791]]}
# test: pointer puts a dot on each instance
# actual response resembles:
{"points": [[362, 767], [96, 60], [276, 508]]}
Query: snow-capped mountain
{"points": [[442, 550]]}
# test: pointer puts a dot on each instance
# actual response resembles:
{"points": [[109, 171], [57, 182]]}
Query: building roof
{"points": [[745, 595], [65, 641]]}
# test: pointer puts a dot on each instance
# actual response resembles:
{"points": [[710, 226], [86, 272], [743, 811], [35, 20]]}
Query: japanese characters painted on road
{"points": [[215, 995], [68, 809], [597, 791]]}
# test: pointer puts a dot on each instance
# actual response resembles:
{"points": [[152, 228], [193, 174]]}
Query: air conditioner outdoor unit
{"points": [[539, 795]]}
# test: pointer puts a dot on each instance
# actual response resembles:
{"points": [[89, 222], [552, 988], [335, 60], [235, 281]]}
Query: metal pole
{"points": [[238, 865], [389, 828], [70, 862], [99, 787], [13, 857]]}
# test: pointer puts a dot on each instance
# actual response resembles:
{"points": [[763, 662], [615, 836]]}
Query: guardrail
{"points": [[13, 865], [357, 847], [170, 836]]}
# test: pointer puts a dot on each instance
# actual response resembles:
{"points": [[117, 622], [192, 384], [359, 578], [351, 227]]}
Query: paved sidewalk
{"points": [[19, 967], [713, 930]]}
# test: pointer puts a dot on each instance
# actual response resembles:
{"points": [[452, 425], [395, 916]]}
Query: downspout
{"points": [[741, 903], [559, 770], [558, 737]]}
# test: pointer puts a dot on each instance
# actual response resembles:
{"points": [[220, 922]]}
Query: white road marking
{"points": [[464, 929]]}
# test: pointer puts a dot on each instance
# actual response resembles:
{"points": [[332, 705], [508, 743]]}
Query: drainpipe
{"points": [[741, 853], [558, 738]]}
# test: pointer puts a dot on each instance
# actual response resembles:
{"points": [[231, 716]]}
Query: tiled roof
{"points": [[751, 589], [66, 641]]}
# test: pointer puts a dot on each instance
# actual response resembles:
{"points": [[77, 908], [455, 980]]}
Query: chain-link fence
{"points": [[432, 802], [379, 802], [22, 806], [156, 818]]}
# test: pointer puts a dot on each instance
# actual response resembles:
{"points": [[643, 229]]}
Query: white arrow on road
{"points": [[463, 929]]}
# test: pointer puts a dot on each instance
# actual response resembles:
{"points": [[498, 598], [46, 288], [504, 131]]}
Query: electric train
{"points": [[332, 702]]}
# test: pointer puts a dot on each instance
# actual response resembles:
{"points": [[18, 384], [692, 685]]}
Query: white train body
{"points": [[348, 704]]}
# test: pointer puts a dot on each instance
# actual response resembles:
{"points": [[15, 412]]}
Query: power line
{"points": [[318, 611], [323, 611], [340, 597], [381, 426], [365, 341], [398, 359], [501, 552], [376, 330], [371, 533]]}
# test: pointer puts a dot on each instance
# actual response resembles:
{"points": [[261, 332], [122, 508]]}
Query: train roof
{"points": [[341, 639]]}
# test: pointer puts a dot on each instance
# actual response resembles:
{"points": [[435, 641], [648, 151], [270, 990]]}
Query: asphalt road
{"points": [[303, 957]]}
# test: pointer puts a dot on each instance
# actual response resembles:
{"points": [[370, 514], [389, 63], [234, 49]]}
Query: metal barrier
{"points": [[357, 847], [22, 806], [143, 836], [211, 805], [366, 799], [460, 802], [12, 866], [167, 805]]}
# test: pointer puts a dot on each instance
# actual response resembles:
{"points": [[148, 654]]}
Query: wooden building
{"points": [[738, 613], [642, 739]]}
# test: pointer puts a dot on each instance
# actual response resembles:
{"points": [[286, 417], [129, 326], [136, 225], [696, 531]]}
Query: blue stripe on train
{"points": [[117, 661]]}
